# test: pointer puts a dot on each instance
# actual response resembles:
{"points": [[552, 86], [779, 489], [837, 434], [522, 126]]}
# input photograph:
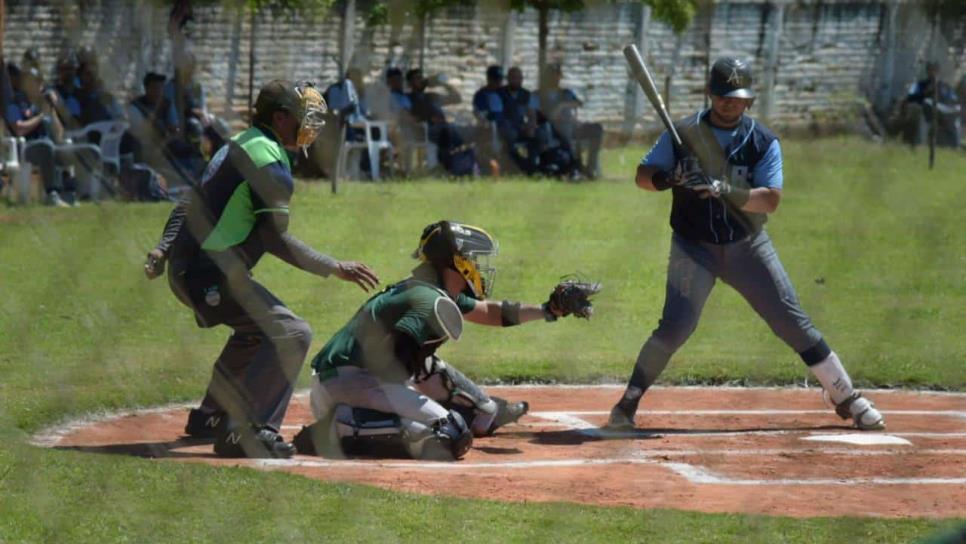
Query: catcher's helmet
{"points": [[730, 78], [464, 248]]}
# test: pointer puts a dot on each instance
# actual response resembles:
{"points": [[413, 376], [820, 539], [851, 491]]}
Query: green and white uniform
{"points": [[363, 366]]}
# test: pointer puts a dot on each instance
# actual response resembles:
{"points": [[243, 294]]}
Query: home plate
{"points": [[860, 439]]}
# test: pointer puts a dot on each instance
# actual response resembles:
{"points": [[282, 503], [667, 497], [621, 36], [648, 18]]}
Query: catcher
{"points": [[379, 388]]}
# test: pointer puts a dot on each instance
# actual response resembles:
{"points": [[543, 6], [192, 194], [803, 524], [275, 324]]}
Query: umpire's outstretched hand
{"points": [[358, 273]]}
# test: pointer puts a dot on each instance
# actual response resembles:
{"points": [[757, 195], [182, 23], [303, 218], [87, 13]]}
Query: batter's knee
{"points": [[672, 334]]}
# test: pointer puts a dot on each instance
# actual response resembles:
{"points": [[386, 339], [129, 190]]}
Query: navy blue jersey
{"points": [[753, 160]]}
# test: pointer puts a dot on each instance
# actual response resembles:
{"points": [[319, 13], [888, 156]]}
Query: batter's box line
{"points": [[754, 412], [699, 475]]}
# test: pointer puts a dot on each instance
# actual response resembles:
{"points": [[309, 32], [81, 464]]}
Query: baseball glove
{"points": [[572, 296]]}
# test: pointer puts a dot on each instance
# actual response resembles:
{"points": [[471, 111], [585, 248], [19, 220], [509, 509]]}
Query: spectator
{"points": [[32, 115], [155, 125], [456, 156], [345, 102], [518, 124], [96, 104], [559, 106], [425, 105], [398, 99], [192, 108], [918, 112], [30, 59], [69, 106], [487, 102]]}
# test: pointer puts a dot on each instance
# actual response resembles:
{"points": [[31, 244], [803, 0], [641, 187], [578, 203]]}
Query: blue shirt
{"points": [[21, 109], [767, 173], [398, 101], [489, 103]]}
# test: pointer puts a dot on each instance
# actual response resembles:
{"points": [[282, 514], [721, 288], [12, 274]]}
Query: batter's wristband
{"points": [[661, 180], [738, 197]]}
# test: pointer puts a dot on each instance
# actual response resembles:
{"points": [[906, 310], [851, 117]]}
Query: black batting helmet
{"points": [[731, 78]]}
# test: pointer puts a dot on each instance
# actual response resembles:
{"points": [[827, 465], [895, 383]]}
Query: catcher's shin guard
{"points": [[861, 411]]}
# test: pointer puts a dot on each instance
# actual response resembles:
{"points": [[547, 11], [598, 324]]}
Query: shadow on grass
{"points": [[151, 450]]}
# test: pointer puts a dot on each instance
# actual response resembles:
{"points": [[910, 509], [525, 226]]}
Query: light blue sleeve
{"points": [[662, 154], [768, 171], [534, 101]]}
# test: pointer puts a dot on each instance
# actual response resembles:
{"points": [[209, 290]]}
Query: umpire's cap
{"points": [[277, 95], [731, 78]]}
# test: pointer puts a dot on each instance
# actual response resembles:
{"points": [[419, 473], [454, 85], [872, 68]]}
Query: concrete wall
{"points": [[814, 59]]}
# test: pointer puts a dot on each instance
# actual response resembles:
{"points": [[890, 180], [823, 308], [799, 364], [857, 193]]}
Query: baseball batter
{"points": [[378, 380], [722, 195], [214, 238]]}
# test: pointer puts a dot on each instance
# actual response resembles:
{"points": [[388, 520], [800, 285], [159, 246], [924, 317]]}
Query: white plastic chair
{"points": [[373, 146], [111, 133], [18, 170]]}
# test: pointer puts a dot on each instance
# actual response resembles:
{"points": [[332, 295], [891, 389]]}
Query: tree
{"points": [[676, 13]]}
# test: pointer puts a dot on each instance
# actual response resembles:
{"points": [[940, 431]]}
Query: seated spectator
{"points": [[33, 115], [487, 102], [345, 102], [399, 102], [66, 86], [192, 108], [156, 127], [918, 110], [423, 104], [456, 156], [518, 123], [559, 106]]}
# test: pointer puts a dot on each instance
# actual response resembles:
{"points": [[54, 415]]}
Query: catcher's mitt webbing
{"points": [[573, 297]]}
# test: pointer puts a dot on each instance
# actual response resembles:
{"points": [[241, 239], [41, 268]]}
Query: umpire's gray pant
{"points": [[752, 267], [255, 374]]}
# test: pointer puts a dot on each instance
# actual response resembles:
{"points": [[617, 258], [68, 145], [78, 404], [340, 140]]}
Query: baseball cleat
{"points": [[619, 419], [862, 412], [253, 443], [203, 424], [507, 413]]}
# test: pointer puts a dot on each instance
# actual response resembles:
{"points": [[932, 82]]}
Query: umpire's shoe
{"points": [[253, 443], [203, 424]]}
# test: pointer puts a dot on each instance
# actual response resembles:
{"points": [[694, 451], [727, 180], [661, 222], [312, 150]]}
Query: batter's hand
{"points": [[357, 273], [154, 264], [712, 188]]}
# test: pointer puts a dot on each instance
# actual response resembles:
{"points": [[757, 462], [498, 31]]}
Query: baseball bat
{"points": [[644, 79]]}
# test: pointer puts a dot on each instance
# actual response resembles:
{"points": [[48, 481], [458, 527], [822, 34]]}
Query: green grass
{"points": [[871, 240]]}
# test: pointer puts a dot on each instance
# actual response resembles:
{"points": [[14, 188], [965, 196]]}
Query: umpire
{"points": [[721, 199], [212, 240]]}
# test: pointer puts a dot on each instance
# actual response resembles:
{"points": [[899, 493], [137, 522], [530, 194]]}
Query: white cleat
{"points": [[862, 412]]}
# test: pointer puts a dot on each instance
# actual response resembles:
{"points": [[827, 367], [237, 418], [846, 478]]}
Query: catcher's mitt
{"points": [[572, 296]]}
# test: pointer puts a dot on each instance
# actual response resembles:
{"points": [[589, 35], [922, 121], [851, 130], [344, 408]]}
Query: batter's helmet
{"points": [[464, 248], [730, 78]]}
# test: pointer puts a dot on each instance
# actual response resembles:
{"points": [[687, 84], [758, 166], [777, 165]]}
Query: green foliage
{"points": [[676, 13]]}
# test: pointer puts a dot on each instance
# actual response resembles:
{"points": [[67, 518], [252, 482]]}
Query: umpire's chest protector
{"points": [[712, 220]]}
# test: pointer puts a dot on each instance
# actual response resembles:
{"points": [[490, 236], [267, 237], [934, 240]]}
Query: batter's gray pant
{"points": [[752, 267], [255, 374]]}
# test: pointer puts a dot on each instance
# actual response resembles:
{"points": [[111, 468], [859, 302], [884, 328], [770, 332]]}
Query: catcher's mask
{"points": [[464, 248], [302, 100]]}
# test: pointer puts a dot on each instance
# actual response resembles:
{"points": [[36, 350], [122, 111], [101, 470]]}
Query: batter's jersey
{"points": [[248, 178], [754, 159], [368, 339]]}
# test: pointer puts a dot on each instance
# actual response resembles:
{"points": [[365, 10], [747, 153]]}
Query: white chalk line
{"points": [[694, 474], [755, 412], [701, 475]]}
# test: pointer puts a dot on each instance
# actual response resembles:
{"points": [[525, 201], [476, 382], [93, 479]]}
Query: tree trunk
{"points": [[542, 45], [348, 38], [251, 67]]}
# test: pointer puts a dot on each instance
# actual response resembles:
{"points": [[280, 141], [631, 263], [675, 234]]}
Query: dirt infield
{"points": [[762, 451]]}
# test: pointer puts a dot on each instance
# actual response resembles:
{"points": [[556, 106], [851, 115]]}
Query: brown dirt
{"points": [[709, 462]]}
